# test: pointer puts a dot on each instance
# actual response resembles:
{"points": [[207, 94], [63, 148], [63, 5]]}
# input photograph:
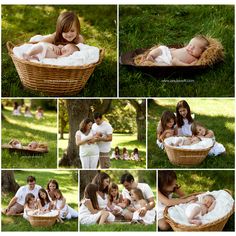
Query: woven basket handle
{"points": [[10, 46]]}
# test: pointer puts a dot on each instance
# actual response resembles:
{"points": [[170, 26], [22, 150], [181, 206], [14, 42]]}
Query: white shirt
{"points": [[145, 188], [23, 191], [105, 129]]}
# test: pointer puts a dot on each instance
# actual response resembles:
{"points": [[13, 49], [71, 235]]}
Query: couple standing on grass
{"points": [[35, 199], [94, 141], [103, 202]]}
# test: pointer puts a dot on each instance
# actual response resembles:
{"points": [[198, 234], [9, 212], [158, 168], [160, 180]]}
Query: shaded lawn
{"points": [[98, 26], [147, 25], [215, 114], [194, 181], [69, 188], [122, 140], [27, 130]]}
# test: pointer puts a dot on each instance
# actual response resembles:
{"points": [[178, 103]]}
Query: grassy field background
{"points": [[122, 140], [215, 114], [98, 26], [26, 130], [67, 184], [142, 26], [194, 181]]}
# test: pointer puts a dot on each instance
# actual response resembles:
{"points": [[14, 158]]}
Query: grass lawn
{"points": [[27, 130], [122, 140], [194, 181], [69, 188], [215, 114], [98, 26], [142, 26]]}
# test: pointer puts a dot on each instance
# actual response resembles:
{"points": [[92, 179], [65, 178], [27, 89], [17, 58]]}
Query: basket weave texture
{"points": [[185, 157], [42, 221], [50, 79], [217, 225]]}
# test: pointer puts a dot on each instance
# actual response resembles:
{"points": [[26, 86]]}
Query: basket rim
{"points": [[186, 149], [10, 47], [181, 226]]}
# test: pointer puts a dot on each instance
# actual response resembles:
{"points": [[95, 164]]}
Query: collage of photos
{"points": [[117, 118]]}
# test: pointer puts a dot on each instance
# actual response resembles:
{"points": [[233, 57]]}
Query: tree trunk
{"points": [[86, 177], [8, 182], [140, 118]]}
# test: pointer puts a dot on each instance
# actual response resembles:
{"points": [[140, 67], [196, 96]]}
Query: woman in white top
{"points": [[86, 140], [102, 180]]}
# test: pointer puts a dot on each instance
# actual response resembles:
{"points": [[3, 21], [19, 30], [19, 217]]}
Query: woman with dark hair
{"points": [[86, 140], [102, 180]]}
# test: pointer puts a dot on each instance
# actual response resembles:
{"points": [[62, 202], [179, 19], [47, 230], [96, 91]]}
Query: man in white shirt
{"points": [[16, 205], [128, 182], [104, 132]]}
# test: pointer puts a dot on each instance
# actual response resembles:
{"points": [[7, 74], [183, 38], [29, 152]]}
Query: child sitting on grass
{"points": [[184, 56], [30, 206], [125, 155], [135, 155], [47, 50], [116, 153], [44, 203]]}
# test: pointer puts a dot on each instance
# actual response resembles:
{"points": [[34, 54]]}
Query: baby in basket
{"points": [[185, 141], [184, 56], [195, 210], [48, 50]]}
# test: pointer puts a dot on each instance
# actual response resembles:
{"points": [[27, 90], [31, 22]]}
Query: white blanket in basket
{"points": [[50, 213], [224, 204], [203, 144], [86, 55]]}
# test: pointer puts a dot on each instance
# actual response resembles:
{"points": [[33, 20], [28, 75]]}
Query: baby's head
{"points": [[208, 200], [15, 143], [197, 46], [69, 49], [33, 145]]}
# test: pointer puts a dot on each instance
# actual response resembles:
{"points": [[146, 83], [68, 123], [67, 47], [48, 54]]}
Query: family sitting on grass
{"points": [[104, 203], [183, 125], [125, 154], [32, 199], [39, 114]]}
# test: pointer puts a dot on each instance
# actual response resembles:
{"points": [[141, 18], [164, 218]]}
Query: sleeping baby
{"points": [[195, 210], [184, 56], [185, 141], [47, 50]]}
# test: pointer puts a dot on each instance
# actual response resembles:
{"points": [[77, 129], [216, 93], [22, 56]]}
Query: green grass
{"points": [[146, 25], [122, 140], [98, 26], [69, 188], [215, 114], [27, 130], [193, 181], [117, 227]]}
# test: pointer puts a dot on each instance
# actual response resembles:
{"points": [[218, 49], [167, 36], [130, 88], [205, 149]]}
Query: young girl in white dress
{"points": [[44, 203], [30, 206], [90, 212], [138, 202], [199, 130], [66, 212], [184, 118]]}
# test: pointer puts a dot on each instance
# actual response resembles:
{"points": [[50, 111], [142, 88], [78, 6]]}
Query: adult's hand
{"points": [[143, 211]]}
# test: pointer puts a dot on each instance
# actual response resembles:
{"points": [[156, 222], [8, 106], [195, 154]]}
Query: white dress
{"points": [[161, 207], [102, 203], [86, 217], [217, 149], [185, 130], [149, 217], [66, 212]]}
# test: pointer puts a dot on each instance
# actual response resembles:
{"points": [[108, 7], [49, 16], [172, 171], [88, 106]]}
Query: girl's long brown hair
{"points": [[83, 124], [28, 197], [138, 192], [194, 127], [166, 117], [43, 201], [64, 24], [179, 118], [90, 192], [98, 180], [113, 186], [51, 194]]}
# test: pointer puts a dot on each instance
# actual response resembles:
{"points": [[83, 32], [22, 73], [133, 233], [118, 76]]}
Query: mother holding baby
{"points": [[86, 140]]}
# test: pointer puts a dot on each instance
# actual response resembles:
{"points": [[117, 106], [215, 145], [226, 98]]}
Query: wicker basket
{"points": [[185, 157], [217, 225], [50, 79], [42, 221]]}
